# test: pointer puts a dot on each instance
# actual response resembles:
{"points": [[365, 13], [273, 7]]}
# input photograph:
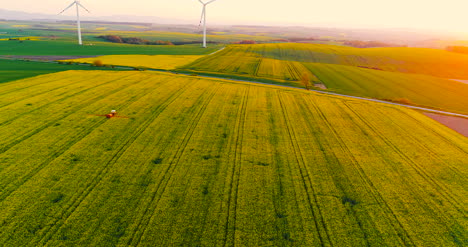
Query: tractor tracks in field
{"points": [[54, 118], [232, 200], [54, 155], [319, 221], [420, 171], [378, 197], [417, 167], [5, 94], [15, 89], [52, 102], [336, 166], [94, 182], [161, 187], [60, 152], [282, 170]]}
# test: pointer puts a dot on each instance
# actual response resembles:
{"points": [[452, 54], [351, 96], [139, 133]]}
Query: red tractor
{"points": [[111, 114]]}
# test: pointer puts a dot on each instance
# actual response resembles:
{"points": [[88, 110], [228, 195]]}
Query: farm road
{"points": [[462, 81]]}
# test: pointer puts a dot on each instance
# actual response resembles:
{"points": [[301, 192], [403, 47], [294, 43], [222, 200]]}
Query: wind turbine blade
{"points": [[210, 2], [201, 1], [201, 18], [67, 7], [83, 7]]}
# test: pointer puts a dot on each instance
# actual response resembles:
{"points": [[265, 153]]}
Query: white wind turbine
{"points": [[203, 18], [78, 5]]}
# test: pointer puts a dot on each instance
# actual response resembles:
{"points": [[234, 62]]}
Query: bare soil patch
{"points": [[320, 85], [458, 124]]}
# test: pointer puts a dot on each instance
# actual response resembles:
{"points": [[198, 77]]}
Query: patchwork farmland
{"points": [[205, 162], [432, 62], [406, 75]]}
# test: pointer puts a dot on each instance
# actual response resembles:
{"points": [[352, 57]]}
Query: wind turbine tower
{"points": [[78, 5], [203, 19]]}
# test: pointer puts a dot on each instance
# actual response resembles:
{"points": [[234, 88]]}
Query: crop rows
{"points": [[432, 62], [375, 78], [203, 162]]}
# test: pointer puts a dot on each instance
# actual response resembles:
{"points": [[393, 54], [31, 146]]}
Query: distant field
{"points": [[244, 60], [203, 162], [166, 62], [20, 39], [187, 37], [255, 67], [13, 70], [433, 62], [92, 30], [58, 47]]}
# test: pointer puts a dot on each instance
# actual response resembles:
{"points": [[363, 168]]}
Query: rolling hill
{"points": [[395, 74], [434, 62]]}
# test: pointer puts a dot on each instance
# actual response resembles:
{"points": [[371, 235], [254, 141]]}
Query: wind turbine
{"points": [[78, 5], [203, 18]]}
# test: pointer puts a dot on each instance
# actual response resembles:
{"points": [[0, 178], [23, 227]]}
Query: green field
{"points": [[71, 48], [433, 62], [205, 162], [90, 32], [252, 61], [416, 89], [182, 37], [14, 69]]}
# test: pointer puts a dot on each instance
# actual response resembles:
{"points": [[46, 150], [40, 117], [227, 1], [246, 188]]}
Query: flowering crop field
{"points": [[211, 162], [433, 62], [166, 62], [380, 75]]}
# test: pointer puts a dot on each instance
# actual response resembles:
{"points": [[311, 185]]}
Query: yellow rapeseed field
{"points": [[166, 62], [207, 162]]}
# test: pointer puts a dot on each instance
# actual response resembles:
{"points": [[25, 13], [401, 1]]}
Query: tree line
{"points": [[133, 40]]}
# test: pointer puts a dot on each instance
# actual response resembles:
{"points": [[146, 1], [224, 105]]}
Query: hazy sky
{"points": [[428, 14]]}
